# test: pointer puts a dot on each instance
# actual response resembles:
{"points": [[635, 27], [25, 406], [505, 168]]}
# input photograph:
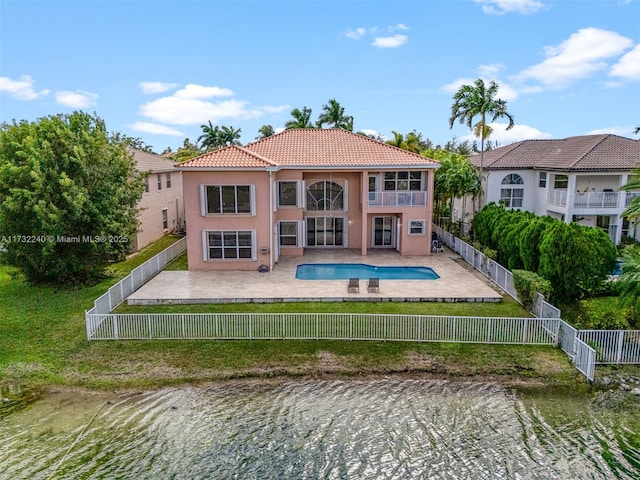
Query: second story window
{"points": [[561, 182], [168, 177], [394, 181], [542, 180], [324, 196], [159, 181], [510, 195], [227, 199], [146, 184]]}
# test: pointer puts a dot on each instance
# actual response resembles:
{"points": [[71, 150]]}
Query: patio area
{"points": [[457, 282]]}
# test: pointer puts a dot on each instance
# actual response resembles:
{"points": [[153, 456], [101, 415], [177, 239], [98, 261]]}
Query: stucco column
{"points": [[571, 197], [364, 202]]}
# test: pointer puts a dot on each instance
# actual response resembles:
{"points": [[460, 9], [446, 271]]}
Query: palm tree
{"points": [[265, 131], [398, 140], [210, 138], [629, 280], [301, 119], [333, 115], [230, 136], [473, 100]]}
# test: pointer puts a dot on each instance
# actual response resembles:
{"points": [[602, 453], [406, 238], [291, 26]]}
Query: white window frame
{"points": [[542, 179], [204, 204], [345, 200], [397, 180], [167, 177], [147, 187], [159, 181], [423, 227], [297, 234], [297, 194], [206, 247], [165, 219], [512, 185]]}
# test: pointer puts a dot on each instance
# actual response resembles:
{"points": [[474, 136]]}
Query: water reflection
{"points": [[316, 429]]}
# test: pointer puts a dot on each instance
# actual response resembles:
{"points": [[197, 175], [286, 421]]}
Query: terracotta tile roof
{"points": [[313, 147], [226, 158], [587, 152]]}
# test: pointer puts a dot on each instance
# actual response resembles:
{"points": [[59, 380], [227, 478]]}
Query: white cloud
{"points": [[393, 41], [193, 91], [623, 131], [21, 89], [499, 7], [192, 105], [156, 87], [582, 54], [503, 136], [356, 34], [155, 129], [628, 66], [77, 99]]}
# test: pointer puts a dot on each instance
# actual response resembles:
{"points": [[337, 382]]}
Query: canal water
{"points": [[373, 429]]}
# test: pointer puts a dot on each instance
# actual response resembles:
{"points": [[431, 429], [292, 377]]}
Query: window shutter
{"points": [[254, 247], [302, 192], [345, 195], [205, 246], [203, 200], [252, 193], [345, 232], [276, 199]]}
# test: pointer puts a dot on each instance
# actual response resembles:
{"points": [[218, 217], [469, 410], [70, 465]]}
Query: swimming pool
{"points": [[343, 271]]}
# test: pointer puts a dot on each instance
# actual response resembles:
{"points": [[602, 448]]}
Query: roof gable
{"points": [[313, 147]]}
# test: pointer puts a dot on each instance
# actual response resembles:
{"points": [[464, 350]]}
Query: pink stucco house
{"points": [[246, 207]]}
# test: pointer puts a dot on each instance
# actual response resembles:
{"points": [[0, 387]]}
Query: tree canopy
{"points": [[68, 197]]}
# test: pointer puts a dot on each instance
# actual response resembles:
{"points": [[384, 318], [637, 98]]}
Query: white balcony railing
{"points": [[592, 200], [398, 199], [596, 200]]}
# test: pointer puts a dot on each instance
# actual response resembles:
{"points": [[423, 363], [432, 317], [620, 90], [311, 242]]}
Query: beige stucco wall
{"points": [[150, 210]]}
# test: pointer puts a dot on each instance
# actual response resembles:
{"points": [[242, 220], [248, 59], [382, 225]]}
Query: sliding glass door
{"points": [[325, 231]]}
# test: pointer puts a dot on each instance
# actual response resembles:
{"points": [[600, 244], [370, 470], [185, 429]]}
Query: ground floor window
{"points": [[288, 234], [325, 231], [230, 245], [416, 227], [165, 218]]}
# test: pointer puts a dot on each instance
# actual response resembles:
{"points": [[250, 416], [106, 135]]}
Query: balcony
{"points": [[591, 200], [398, 199]]}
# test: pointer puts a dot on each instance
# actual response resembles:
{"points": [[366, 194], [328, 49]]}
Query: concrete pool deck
{"points": [[457, 283]]}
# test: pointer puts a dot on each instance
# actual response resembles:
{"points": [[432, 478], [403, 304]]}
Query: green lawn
{"points": [[43, 343]]}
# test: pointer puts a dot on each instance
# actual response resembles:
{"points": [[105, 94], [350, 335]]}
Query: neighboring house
{"points": [[573, 179], [305, 188], [161, 206]]}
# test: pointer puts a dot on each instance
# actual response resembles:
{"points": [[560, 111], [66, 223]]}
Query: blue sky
{"points": [[158, 70]]}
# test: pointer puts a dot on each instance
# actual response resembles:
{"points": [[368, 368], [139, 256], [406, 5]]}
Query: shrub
{"points": [[528, 283]]}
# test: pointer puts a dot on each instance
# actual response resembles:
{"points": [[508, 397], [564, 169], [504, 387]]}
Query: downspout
{"points": [[271, 232]]}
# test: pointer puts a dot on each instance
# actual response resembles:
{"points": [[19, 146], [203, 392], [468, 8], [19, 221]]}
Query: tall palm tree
{"points": [[471, 101], [230, 136], [397, 141], [265, 131], [210, 138], [301, 119], [333, 115]]}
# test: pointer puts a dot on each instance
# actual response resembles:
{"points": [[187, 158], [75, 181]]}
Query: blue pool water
{"points": [[343, 271]]}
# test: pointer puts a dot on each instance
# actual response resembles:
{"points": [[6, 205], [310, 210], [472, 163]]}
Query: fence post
{"points": [[620, 346], [115, 326]]}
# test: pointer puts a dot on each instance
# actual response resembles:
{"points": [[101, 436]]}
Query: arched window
{"points": [[510, 196], [325, 196]]}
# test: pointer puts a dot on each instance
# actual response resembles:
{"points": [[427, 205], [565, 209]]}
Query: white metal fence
{"points": [[613, 346], [488, 267], [323, 326], [138, 277]]}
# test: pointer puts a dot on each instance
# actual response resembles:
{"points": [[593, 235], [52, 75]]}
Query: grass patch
{"points": [[507, 308], [604, 313]]}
